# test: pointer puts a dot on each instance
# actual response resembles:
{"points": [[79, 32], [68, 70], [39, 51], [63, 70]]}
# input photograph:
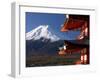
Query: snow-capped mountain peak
{"points": [[41, 32]]}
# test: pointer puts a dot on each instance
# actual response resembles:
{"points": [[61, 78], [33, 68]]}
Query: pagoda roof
{"points": [[74, 22]]}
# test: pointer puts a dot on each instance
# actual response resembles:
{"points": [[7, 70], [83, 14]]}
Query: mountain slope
{"points": [[39, 47]]}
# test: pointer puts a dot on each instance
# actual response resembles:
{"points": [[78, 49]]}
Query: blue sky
{"points": [[54, 21]]}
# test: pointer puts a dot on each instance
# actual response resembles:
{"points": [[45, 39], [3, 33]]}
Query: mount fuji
{"points": [[42, 41], [42, 33]]}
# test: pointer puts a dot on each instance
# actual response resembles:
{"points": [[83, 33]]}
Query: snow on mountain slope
{"points": [[41, 32]]}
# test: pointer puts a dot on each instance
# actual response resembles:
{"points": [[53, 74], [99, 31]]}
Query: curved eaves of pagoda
{"points": [[74, 22]]}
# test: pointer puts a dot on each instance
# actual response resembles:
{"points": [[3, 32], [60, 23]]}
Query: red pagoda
{"points": [[81, 44]]}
